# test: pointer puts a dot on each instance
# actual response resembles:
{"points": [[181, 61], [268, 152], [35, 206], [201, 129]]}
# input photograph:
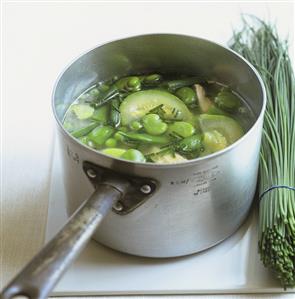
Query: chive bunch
{"points": [[261, 46]]}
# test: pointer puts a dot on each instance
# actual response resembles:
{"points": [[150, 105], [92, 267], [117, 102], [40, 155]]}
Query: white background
{"points": [[39, 40]]}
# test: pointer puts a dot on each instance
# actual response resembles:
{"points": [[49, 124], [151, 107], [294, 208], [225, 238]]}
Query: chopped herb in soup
{"points": [[149, 118]]}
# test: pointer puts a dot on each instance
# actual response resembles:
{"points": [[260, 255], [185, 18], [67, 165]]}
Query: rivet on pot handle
{"points": [[140, 188], [40, 276]]}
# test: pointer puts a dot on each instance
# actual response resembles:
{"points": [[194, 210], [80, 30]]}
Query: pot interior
{"points": [[160, 53]]}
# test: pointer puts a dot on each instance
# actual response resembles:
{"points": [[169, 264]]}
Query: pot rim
{"points": [[158, 165]]}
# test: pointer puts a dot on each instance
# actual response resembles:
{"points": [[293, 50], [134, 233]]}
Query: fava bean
{"points": [[187, 95], [100, 134], [182, 128], [133, 155], [153, 124], [228, 101], [176, 84], [191, 144], [135, 125], [111, 142], [129, 84], [118, 136], [152, 80]]}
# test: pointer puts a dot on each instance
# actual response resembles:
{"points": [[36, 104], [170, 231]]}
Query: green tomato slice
{"points": [[213, 142], [136, 105], [225, 125]]}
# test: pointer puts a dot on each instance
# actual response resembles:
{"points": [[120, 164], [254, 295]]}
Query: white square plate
{"points": [[230, 267]]}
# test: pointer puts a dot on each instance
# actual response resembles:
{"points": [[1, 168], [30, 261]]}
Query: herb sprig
{"points": [[262, 46]]}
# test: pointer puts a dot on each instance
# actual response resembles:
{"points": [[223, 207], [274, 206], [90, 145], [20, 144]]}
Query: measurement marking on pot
{"points": [[180, 182], [203, 179], [74, 156], [202, 191], [200, 181]]}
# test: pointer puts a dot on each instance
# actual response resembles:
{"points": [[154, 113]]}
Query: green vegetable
{"points": [[118, 136], [82, 111], [123, 85], [100, 134], [106, 96], [136, 105], [111, 142], [153, 124], [84, 139], [176, 84], [152, 120], [205, 104], [135, 125], [225, 125], [213, 141], [167, 158], [128, 84], [145, 138], [115, 152], [187, 95], [228, 101], [269, 54], [152, 80], [190, 146], [133, 155], [101, 114], [115, 118], [216, 111], [123, 129], [85, 130], [181, 128]]}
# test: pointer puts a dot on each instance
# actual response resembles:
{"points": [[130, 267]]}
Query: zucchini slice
{"points": [[225, 125], [136, 105]]}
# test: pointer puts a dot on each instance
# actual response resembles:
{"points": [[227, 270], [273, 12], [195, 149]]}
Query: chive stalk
{"points": [[261, 46]]}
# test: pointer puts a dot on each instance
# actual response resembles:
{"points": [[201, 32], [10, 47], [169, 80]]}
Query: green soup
{"points": [[150, 118]]}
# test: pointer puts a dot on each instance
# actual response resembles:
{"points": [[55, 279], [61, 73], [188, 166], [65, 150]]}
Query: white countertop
{"points": [[39, 40]]}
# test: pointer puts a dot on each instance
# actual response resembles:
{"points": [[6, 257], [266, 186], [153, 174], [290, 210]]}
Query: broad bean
{"points": [[228, 101], [133, 155], [190, 145], [100, 134], [181, 128], [187, 95], [153, 124]]}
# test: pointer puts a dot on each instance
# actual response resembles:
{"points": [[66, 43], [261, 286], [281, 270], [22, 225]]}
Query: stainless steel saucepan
{"points": [[149, 209]]}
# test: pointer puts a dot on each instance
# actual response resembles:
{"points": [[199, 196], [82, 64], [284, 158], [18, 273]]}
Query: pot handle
{"points": [[42, 273]]}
